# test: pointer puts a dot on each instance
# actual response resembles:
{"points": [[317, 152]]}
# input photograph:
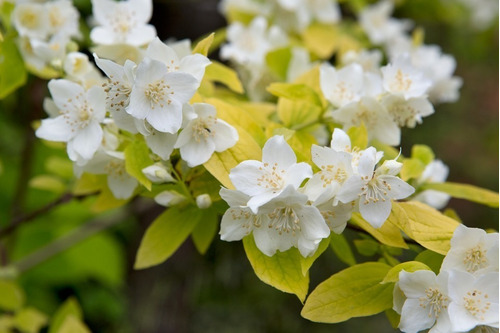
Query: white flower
{"points": [[336, 216], [265, 180], [368, 59], [426, 302], [374, 190], [122, 22], [204, 134], [472, 250], [377, 120], [434, 172], [31, 20], [193, 64], [297, 15], [401, 77], [63, 18], [79, 122], [335, 168], [474, 300], [300, 62], [112, 163], [284, 222], [342, 86], [379, 26], [76, 64], [158, 95], [169, 198], [407, 112]]}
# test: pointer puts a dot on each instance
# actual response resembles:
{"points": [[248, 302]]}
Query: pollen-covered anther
{"points": [[475, 259], [157, 93], [435, 301]]}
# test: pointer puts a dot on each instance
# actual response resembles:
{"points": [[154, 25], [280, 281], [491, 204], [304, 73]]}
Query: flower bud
{"points": [[203, 201]]}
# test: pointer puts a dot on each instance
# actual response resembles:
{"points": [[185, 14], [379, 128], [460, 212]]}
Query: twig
{"points": [[18, 220]]}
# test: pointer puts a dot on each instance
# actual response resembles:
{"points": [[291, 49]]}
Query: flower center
{"points": [[475, 259], [157, 94], [284, 220], [122, 21], [272, 178], [248, 218], [81, 114], [435, 301], [202, 128], [375, 190], [116, 168], [117, 94], [29, 18], [402, 82], [477, 303], [329, 173], [342, 92]]}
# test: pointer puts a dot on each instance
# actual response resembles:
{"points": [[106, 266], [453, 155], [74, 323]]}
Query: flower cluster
{"points": [[45, 32], [462, 296], [269, 201]]}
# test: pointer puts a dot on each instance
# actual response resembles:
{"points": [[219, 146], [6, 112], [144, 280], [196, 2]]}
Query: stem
{"points": [[65, 242], [19, 220]]}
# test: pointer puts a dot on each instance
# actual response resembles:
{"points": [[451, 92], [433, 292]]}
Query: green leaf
{"points": [[366, 247], [205, 230], [321, 39], [203, 46], [307, 262], [393, 317], [283, 270], [12, 297], [409, 266], [29, 320], [218, 72], [358, 136], [59, 166], [70, 308], [432, 259], [297, 113], [12, 67], [412, 168], [354, 292], [73, 325], [295, 91], [106, 200], [423, 153], [48, 183], [424, 224], [341, 248], [136, 159], [164, 236], [278, 61], [466, 191], [387, 234]]}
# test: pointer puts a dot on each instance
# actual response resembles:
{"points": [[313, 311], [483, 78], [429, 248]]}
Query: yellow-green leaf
{"points": [[205, 230], [321, 39], [70, 308], [366, 247], [426, 225], [466, 191], [295, 92], [136, 159], [412, 168], [283, 270], [220, 164], [89, 183], [341, 248], [358, 136], [73, 325], [164, 236], [422, 153], [354, 292], [59, 166], [278, 60], [203, 46], [12, 69], [387, 234], [218, 72], [306, 263], [48, 183], [297, 113], [106, 201], [29, 320], [393, 317], [409, 266], [432, 259], [12, 297]]}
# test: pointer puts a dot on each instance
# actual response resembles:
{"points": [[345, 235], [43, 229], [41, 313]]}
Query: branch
{"points": [[19, 220]]}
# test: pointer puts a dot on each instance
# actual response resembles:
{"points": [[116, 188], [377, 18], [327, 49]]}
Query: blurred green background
{"points": [[219, 292]]}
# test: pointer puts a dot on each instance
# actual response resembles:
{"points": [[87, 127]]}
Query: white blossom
{"points": [[158, 173], [434, 172], [79, 121], [204, 134], [343, 86], [265, 180]]}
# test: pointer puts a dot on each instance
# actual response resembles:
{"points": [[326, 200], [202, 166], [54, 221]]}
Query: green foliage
{"points": [[12, 298], [358, 136], [278, 61], [283, 270], [12, 67], [164, 236], [356, 291], [136, 159], [341, 248], [218, 72], [203, 46], [466, 191], [69, 309], [307, 262], [409, 266], [29, 320], [388, 233], [206, 229], [295, 92], [432, 259]]}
